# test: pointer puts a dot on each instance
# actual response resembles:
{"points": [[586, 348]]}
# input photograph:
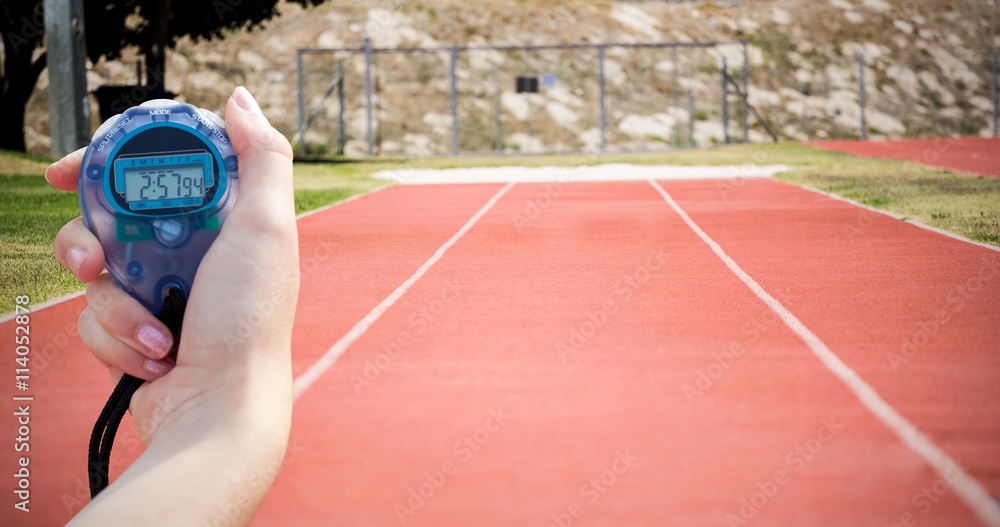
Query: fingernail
{"points": [[75, 258], [158, 368], [154, 340], [245, 100]]}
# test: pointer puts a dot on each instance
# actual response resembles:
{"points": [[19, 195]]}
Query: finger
{"points": [[266, 198], [65, 173], [78, 250], [116, 354], [236, 276], [126, 320]]}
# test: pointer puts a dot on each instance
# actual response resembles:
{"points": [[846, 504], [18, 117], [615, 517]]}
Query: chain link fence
{"points": [[864, 93], [464, 100]]}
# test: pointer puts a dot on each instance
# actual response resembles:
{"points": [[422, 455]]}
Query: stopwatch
{"points": [[156, 184]]}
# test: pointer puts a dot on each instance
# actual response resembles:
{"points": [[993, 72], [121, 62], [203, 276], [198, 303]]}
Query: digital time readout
{"points": [[163, 182], [149, 184]]}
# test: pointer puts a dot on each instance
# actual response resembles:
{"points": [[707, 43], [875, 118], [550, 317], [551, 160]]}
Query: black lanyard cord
{"points": [[103, 436]]}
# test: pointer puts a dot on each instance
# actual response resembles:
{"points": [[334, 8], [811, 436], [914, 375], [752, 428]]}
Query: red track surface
{"points": [[977, 155], [582, 329]]}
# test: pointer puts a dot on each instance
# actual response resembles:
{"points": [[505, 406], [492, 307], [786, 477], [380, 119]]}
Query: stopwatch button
{"points": [[106, 126], [157, 103], [170, 232], [134, 269], [215, 119], [94, 172]]}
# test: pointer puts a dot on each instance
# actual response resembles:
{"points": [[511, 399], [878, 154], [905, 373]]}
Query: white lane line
{"points": [[968, 489], [49, 303], [310, 376], [891, 214], [325, 208], [989, 158]]}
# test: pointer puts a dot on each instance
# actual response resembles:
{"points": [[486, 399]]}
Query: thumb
{"points": [[254, 260], [266, 193]]}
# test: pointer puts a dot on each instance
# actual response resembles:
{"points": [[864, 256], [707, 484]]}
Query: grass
{"points": [[320, 184], [961, 203], [32, 212]]}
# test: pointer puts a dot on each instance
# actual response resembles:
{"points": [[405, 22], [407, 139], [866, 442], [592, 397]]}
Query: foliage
{"points": [[109, 27]]}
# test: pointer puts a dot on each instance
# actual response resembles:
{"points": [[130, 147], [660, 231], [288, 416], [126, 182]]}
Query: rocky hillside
{"points": [[927, 71]]}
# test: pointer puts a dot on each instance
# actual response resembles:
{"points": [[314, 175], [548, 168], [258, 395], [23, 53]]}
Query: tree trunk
{"points": [[12, 131], [156, 48], [17, 82]]}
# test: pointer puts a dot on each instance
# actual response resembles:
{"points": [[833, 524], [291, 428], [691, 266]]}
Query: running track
{"points": [[977, 155], [681, 353]]}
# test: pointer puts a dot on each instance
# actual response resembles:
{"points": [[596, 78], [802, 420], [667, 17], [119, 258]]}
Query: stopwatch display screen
{"points": [[165, 186], [164, 181]]}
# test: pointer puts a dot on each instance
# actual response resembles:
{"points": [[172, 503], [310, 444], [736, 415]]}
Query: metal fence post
{"points": [[690, 109], [69, 106], [746, 94], [496, 109], [996, 102], [861, 95], [608, 130], [368, 94], [340, 99], [527, 101], [302, 111], [725, 102], [454, 103], [673, 97], [600, 97]]}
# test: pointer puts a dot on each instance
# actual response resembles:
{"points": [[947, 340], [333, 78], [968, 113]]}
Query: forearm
{"points": [[201, 464]]}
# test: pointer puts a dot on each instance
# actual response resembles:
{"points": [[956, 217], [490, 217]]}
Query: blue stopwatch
{"points": [[156, 184]]}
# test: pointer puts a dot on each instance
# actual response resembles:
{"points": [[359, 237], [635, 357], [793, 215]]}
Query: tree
{"points": [[153, 26], [21, 29]]}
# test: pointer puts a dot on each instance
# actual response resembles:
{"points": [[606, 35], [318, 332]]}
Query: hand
{"points": [[228, 397]]}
